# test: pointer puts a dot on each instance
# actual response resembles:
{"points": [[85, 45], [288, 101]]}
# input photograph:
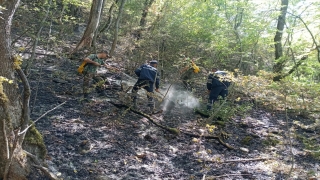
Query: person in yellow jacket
{"points": [[188, 72]]}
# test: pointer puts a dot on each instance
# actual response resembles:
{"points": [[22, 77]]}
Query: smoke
{"points": [[179, 98]]}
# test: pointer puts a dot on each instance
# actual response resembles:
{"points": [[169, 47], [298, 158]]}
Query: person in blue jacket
{"points": [[148, 76], [217, 86]]}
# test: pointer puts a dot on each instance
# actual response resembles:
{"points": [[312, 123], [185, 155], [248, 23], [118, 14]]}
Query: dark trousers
{"points": [[98, 83], [215, 93], [148, 86]]}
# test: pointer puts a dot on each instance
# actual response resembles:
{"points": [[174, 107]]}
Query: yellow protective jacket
{"points": [[196, 69]]}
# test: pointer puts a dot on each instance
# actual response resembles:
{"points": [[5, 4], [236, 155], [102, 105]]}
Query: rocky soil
{"points": [[97, 140]]}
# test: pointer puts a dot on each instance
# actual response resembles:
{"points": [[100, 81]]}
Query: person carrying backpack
{"points": [[217, 85], [89, 70], [148, 76]]}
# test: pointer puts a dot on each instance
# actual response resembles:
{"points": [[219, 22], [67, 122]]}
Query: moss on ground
{"points": [[246, 140], [270, 142], [34, 138]]}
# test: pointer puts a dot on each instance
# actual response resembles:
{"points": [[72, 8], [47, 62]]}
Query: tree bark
{"points": [[279, 65], [143, 20], [116, 30], [109, 21], [94, 19], [12, 160]]}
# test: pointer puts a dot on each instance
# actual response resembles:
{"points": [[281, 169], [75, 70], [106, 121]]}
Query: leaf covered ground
{"points": [[97, 140]]}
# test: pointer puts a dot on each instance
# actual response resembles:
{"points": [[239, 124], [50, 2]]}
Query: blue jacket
{"points": [[147, 72], [214, 81]]}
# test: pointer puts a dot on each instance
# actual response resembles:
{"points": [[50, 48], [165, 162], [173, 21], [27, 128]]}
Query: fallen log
{"points": [[169, 129], [172, 130], [210, 137]]}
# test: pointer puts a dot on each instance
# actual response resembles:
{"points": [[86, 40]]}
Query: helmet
{"points": [[154, 62]]}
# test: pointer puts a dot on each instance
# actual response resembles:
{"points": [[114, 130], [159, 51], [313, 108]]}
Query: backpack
{"points": [[81, 67], [222, 76]]}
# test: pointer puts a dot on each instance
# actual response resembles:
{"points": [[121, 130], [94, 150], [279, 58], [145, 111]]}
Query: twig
{"points": [[289, 136], [41, 54], [210, 137], [47, 172], [26, 100], [7, 164], [166, 92], [227, 175], [43, 169], [41, 117], [15, 142], [245, 160], [23, 33], [169, 129]]}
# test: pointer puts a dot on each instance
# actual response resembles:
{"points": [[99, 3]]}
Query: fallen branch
{"points": [[41, 54], [42, 168], [227, 175], [172, 130], [211, 137], [245, 160], [26, 129], [169, 129]]}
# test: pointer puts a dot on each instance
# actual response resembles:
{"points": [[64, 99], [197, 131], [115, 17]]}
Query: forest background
{"points": [[271, 47]]}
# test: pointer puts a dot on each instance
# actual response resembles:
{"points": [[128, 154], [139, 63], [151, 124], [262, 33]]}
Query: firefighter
{"points": [[217, 85], [188, 72], [91, 63], [148, 76]]}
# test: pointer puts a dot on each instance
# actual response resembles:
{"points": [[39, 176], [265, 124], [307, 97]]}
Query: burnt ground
{"points": [[97, 140]]}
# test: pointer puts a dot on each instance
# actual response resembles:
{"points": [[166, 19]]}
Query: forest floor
{"points": [[97, 140]]}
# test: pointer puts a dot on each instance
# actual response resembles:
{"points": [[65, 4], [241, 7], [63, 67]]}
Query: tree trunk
{"points": [[12, 160], [36, 40], [94, 19], [143, 20], [96, 33], [109, 21], [279, 65], [115, 37]]}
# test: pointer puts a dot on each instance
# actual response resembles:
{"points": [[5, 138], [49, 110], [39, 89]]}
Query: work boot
{"points": [[101, 92], [135, 105], [85, 98]]}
